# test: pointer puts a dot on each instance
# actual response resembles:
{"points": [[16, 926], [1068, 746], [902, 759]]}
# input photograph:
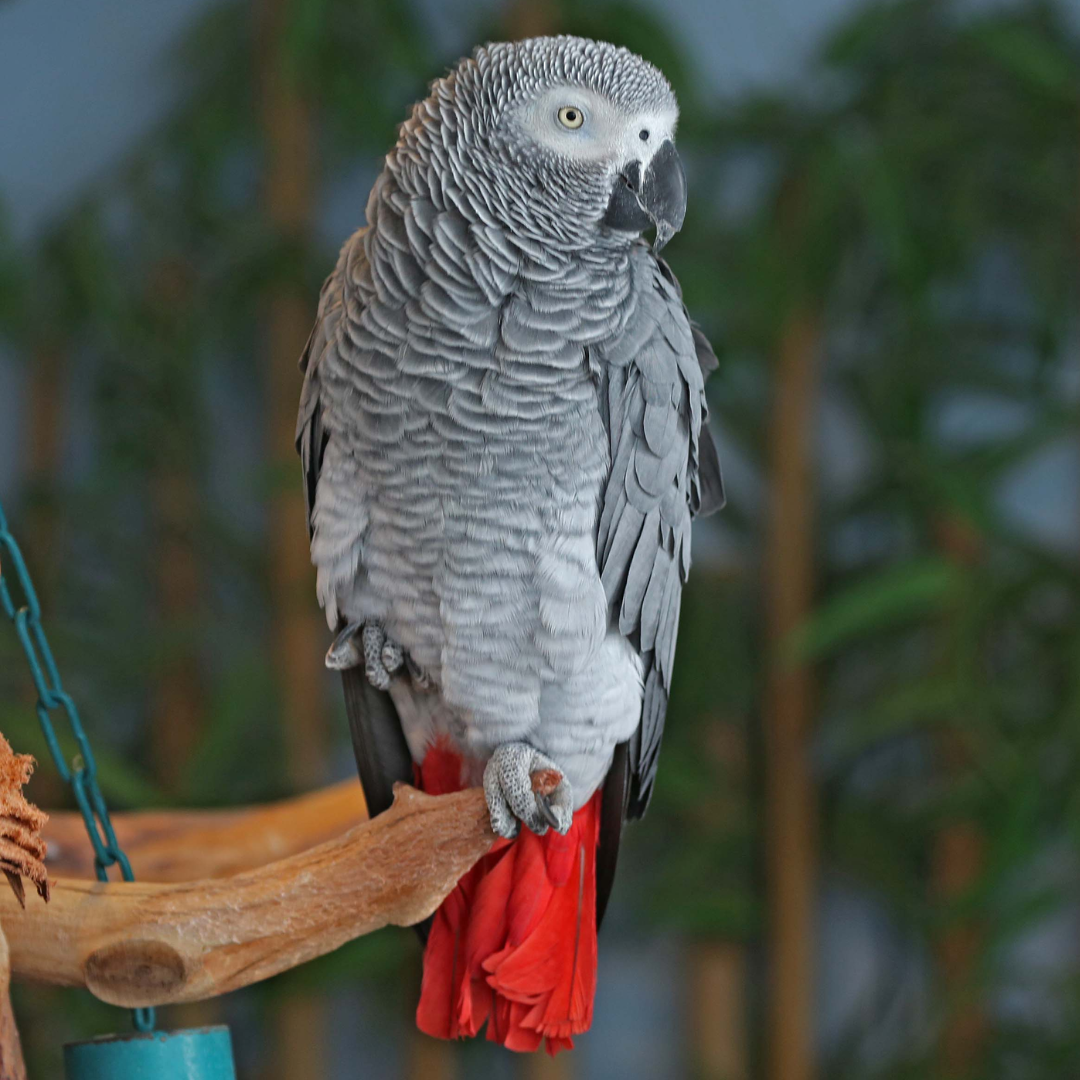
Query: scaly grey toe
{"points": [[508, 788], [393, 656]]}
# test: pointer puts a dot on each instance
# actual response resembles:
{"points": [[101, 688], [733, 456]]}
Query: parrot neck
{"points": [[442, 158], [415, 208]]}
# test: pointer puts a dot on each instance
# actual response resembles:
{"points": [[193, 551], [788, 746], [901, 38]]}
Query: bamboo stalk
{"points": [[790, 811], [178, 705], [46, 391], [299, 636], [542, 1066], [717, 1010], [430, 1059], [528, 19], [143, 943], [958, 860], [46, 388], [716, 968]]}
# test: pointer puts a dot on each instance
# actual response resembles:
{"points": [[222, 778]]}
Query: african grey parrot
{"points": [[502, 431]]}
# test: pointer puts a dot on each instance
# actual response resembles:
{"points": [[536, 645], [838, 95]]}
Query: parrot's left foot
{"points": [[367, 644], [521, 784]]}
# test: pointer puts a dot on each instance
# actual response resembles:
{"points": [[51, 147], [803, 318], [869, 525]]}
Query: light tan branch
{"points": [[12, 1066], [185, 845], [152, 944]]}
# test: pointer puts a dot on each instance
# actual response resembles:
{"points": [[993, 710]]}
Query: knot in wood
{"points": [[134, 973]]}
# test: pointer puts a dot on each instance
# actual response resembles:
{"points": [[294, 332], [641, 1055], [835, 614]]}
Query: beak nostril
{"points": [[632, 176]]}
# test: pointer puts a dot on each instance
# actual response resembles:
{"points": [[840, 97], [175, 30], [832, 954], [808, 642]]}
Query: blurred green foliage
{"points": [[919, 194]]}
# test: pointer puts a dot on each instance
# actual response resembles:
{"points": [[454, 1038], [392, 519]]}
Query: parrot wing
{"points": [[382, 755], [312, 437], [664, 471]]}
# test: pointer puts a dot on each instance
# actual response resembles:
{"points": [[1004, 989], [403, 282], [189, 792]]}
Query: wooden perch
{"points": [[143, 943], [12, 1066], [186, 845]]}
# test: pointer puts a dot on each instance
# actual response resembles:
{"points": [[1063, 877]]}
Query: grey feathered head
{"points": [[567, 139]]}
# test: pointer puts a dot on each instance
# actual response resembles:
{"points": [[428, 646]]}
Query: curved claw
{"points": [[344, 653], [543, 804]]}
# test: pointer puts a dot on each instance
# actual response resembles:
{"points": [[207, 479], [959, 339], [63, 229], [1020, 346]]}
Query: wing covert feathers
{"points": [[311, 437], [664, 471]]}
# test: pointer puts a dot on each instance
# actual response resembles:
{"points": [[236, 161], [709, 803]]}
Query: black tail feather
{"points": [[613, 805], [382, 754]]}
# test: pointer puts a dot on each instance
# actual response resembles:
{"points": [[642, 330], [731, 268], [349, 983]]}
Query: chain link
{"points": [[81, 774]]}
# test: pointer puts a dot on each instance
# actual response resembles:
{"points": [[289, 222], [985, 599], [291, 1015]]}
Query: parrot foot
{"points": [[367, 644], [523, 785]]}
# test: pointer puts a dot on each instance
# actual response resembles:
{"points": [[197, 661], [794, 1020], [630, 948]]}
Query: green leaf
{"points": [[900, 710], [1036, 60], [880, 602]]}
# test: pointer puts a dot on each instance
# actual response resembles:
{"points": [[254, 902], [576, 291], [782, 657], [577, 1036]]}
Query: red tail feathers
{"points": [[515, 943]]}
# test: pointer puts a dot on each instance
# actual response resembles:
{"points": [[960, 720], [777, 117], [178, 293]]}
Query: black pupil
{"points": [[571, 116], [643, 135]]}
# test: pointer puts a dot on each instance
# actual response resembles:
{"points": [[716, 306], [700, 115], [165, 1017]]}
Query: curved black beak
{"points": [[658, 198]]}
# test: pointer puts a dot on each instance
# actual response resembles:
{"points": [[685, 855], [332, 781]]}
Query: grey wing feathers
{"points": [[664, 471], [710, 479], [311, 436]]}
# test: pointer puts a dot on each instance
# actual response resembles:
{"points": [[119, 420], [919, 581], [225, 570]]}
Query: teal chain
{"points": [[81, 774]]}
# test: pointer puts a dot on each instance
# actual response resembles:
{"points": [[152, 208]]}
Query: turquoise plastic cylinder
{"points": [[196, 1054]]}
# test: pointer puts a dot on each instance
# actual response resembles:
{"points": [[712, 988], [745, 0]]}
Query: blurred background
{"points": [[863, 858]]}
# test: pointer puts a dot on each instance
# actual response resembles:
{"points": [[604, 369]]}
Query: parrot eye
{"points": [[571, 117]]}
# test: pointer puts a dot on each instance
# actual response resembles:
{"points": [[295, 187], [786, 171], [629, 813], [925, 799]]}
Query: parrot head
{"points": [[565, 138]]}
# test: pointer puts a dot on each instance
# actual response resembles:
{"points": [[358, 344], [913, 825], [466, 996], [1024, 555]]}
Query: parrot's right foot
{"points": [[523, 785], [367, 644]]}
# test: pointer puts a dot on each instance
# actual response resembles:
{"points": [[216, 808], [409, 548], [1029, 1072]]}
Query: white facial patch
{"points": [[607, 134]]}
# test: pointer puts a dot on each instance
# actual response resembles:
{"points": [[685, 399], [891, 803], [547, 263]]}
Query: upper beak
{"points": [[658, 198]]}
